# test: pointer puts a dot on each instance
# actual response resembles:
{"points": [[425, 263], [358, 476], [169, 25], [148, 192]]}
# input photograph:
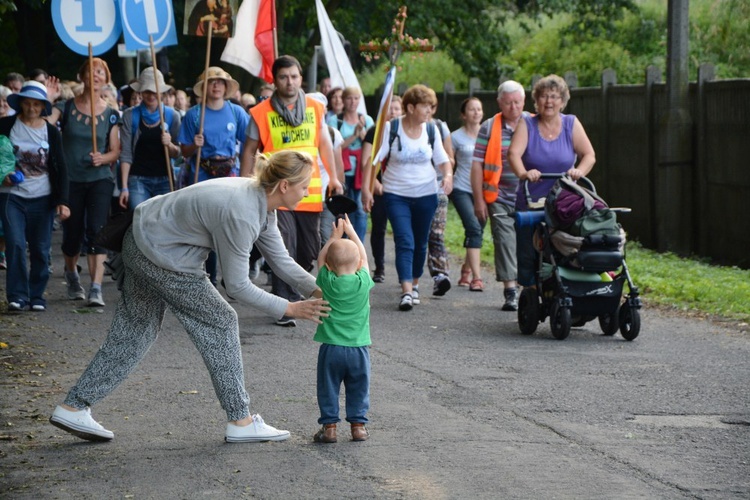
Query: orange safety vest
{"points": [[276, 135], [493, 161]]}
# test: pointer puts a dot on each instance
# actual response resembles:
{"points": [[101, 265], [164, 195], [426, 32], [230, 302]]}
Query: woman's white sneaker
{"points": [[257, 431], [81, 424]]}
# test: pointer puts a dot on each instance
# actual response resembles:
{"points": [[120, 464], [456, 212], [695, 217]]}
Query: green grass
{"points": [[663, 279]]}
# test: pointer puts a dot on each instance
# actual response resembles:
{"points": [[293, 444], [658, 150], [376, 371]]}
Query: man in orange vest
{"points": [[494, 185], [291, 120]]}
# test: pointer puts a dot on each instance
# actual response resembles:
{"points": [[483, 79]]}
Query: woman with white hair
{"points": [[494, 186]]}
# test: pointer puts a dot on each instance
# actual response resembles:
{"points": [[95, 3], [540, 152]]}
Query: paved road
{"points": [[463, 406]]}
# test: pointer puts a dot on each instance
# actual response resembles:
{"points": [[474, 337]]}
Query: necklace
{"points": [[549, 132]]}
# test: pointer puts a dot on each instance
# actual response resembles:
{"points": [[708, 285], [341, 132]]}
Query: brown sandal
{"points": [[476, 285], [465, 273]]}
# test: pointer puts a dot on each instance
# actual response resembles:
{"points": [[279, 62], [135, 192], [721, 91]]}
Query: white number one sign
{"points": [[149, 9]]}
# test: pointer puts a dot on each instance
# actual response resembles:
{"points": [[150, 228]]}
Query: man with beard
{"points": [[291, 120]]}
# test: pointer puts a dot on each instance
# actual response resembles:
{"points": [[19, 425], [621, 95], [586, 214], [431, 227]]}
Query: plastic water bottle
{"points": [[525, 219]]}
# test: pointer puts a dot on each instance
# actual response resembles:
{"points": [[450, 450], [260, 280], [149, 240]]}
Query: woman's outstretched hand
{"points": [[312, 309]]}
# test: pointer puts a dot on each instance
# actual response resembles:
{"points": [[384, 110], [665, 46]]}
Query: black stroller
{"points": [[581, 267]]}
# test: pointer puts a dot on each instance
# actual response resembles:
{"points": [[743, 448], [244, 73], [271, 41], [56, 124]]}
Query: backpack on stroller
{"points": [[581, 269]]}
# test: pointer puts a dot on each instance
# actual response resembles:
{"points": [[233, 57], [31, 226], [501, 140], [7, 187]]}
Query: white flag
{"points": [[339, 67], [252, 47]]}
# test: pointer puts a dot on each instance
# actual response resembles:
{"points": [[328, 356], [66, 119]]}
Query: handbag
{"points": [[347, 154], [111, 235], [218, 166]]}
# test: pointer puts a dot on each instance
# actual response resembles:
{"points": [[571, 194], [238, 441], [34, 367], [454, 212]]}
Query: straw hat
{"points": [[146, 81], [215, 72], [31, 90]]}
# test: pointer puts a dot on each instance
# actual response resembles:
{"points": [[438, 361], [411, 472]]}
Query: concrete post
{"points": [[312, 70], [706, 73], [571, 79], [448, 87], [653, 76], [674, 176], [609, 78]]}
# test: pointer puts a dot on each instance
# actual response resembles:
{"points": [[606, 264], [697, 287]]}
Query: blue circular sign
{"points": [[144, 18], [82, 22]]}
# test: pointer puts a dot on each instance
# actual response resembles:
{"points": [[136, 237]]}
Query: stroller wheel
{"points": [[528, 311], [610, 322], [560, 321], [630, 322]]}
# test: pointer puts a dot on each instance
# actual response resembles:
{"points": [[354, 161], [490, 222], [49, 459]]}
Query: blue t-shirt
{"points": [[346, 131], [223, 130]]}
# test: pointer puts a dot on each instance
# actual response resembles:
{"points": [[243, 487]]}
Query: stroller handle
{"points": [[586, 180]]}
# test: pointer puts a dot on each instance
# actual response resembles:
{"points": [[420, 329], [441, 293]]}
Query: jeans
{"points": [[26, 220], [473, 229], [350, 365], [143, 188], [358, 218], [410, 220]]}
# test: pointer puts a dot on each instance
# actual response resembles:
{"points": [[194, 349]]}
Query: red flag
{"points": [[253, 47], [264, 37]]}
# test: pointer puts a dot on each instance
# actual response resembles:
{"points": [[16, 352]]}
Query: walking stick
{"points": [[91, 95], [161, 111], [203, 97]]}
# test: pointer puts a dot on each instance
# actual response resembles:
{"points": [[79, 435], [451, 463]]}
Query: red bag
{"points": [[346, 154]]}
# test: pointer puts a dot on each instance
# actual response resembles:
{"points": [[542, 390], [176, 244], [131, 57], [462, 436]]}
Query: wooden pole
{"points": [[375, 166], [203, 96], [91, 96], [161, 111]]}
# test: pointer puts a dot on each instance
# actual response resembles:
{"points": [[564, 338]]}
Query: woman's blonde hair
{"points": [[290, 165], [353, 91]]}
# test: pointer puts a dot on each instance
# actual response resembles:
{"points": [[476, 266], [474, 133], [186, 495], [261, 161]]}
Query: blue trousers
{"points": [[26, 220], [411, 219], [358, 218], [143, 188], [350, 365]]}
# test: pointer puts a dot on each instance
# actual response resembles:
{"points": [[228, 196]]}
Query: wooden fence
{"points": [[625, 125]]}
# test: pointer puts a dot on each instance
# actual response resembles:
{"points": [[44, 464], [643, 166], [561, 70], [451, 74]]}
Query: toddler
{"points": [[344, 354]]}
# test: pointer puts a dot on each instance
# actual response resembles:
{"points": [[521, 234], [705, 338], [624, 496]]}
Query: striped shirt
{"points": [[508, 180]]}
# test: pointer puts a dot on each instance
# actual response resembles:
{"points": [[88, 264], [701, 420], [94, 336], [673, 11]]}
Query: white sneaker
{"points": [[257, 431], [415, 295], [95, 298], [406, 302], [81, 424]]}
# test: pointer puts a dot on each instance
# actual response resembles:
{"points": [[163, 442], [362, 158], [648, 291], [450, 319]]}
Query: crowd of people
{"points": [[216, 187]]}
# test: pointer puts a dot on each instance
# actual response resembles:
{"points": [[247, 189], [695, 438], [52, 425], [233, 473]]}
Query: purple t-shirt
{"points": [[549, 157]]}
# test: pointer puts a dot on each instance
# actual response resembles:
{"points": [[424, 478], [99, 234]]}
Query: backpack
{"points": [[578, 211]]}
